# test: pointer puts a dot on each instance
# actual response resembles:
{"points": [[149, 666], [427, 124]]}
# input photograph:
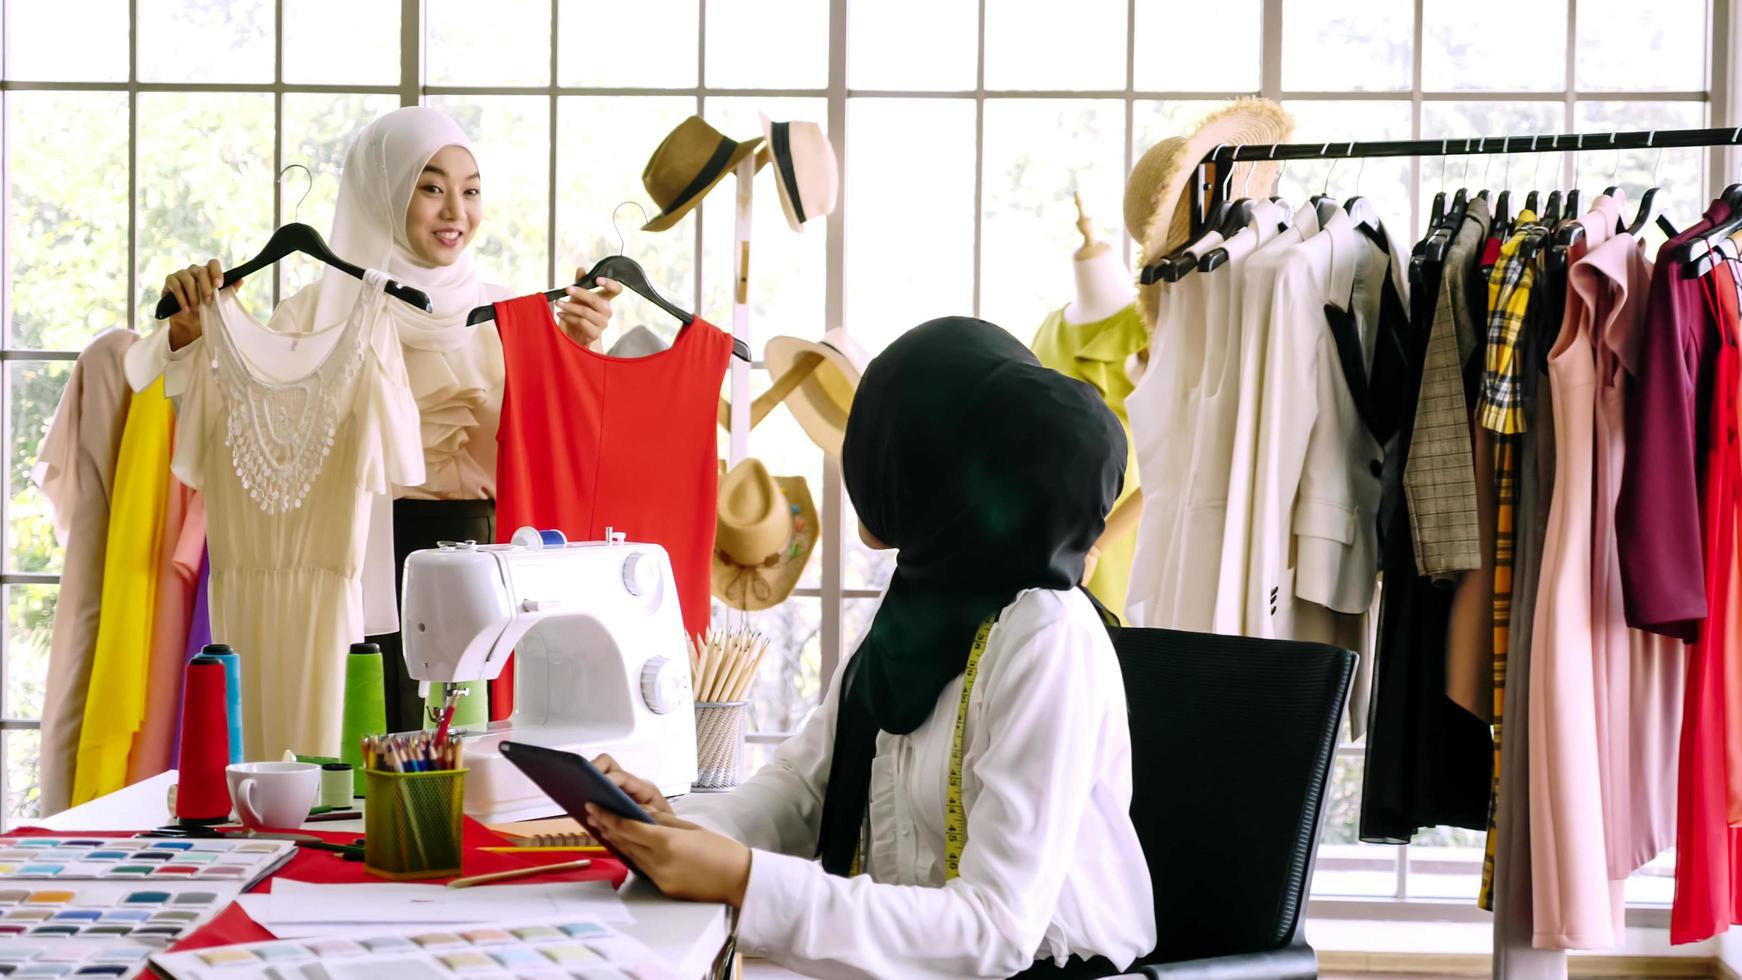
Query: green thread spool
{"points": [[365, 707]]}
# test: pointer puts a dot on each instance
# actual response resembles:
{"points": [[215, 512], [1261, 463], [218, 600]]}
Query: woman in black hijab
{"points": [[992, 477]]}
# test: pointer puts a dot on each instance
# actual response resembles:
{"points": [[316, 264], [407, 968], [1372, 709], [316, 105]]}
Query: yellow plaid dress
{"points": [[1501, 410]]}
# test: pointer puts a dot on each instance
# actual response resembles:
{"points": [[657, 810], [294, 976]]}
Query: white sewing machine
{"points": [[600, 658]]}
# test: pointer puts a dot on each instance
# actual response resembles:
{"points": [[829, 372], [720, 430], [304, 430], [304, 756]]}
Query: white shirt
{"points": [[1051, 866]]}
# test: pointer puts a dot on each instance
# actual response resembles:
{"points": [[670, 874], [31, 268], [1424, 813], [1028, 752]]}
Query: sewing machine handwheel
{"points": [[663, 685]]}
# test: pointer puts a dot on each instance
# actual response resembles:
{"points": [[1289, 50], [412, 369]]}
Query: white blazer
{"points": [[1196, 559], [1258, 283], [1051, 865], [1314, 552]]}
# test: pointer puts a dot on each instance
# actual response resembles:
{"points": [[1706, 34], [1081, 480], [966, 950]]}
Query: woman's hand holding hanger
{"points": [[584, 315], [192, 286]]}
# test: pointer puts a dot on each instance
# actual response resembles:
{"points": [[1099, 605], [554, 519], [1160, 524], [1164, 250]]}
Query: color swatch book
{"points": [[141, 859], [557, 950], [99, 928]]}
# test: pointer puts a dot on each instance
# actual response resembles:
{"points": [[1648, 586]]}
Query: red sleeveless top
{"points": [[589, 441]]}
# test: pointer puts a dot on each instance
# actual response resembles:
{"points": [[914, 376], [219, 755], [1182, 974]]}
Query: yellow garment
{"points": [[1096, 353], [115, 703]]}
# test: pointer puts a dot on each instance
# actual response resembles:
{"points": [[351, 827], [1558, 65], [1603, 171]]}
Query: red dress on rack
{"points": [[1708, 897], [589, 442]]}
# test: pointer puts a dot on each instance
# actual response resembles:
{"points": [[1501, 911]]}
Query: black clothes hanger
{"points": [[634, 278], [297, 237], [1551, 212], [1184, 259]]}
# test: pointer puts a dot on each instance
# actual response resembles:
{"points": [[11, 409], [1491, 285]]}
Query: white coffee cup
{"points": [[273, 794]]}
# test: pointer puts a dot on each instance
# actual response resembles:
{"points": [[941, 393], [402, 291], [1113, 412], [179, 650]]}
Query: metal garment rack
{"points": [[1205, 189]]}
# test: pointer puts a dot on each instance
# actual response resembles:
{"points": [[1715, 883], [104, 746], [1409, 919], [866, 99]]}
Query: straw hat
{"points": [[688, 163], [822, 401], [764, 531], [1157, 194], [804, 161]]}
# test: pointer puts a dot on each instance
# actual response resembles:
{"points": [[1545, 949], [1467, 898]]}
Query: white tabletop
{"points": [[688, 935]]}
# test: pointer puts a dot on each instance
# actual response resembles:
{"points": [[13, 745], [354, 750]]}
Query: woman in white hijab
{"points": [[410, 201]]}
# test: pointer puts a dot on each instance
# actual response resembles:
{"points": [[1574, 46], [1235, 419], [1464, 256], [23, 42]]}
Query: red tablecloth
{"points": [[325, 867]]}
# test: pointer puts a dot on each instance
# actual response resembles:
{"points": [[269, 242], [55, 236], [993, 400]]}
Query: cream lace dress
{"points": [[290, 436]]}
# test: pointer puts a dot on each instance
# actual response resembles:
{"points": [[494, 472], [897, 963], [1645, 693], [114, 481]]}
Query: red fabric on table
{"points": [[325, 867]]}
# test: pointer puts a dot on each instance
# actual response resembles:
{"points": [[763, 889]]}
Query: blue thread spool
{"points": [[232, 662], [533, 539]]}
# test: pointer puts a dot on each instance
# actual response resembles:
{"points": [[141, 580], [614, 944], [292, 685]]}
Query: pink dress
{"points": [[1577, 904], [1639, 675]]}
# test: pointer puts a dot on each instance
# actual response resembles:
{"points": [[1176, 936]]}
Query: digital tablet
{"points": [[571, 781]]}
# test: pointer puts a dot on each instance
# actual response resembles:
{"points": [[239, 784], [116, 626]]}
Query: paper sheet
{"points": [[298, 909]]}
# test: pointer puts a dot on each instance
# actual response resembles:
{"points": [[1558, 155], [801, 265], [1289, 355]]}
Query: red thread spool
{"points": [[201, 795]]}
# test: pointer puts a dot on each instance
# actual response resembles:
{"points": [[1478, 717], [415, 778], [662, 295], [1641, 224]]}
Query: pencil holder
{"points": [[719, 744], [412, 823]]}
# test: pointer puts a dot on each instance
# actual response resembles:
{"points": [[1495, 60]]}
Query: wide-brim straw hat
{"points": [[822, 401], [1158, 192], [765, 529]]}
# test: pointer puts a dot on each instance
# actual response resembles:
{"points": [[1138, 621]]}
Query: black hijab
{"points": [[990, 474]]}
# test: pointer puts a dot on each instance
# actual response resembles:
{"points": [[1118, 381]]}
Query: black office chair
{"points": [[1231, 746]]}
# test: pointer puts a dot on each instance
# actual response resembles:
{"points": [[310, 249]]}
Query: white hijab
{"points": [[380, 173]]}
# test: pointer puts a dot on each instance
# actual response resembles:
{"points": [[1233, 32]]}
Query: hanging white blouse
{"points": [[1051, 866], [1163, 412]]}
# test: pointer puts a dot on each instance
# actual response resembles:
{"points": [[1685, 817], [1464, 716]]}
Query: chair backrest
{"points": [[1232, 740]]}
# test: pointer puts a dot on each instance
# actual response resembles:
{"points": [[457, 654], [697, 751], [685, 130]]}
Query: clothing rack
{"points": [[1228, 154]]}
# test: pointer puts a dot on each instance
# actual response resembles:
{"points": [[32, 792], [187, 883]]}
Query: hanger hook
{"points": [[1358, 168], [1578, 148], [1443, 164], [1536, 171], [297, 210], [1506, 170], [1615, 170], [1487, 159], [1325, 151], [1465, 177], [1227, 178], [1657, 164], [619, 231], [1246, 188]]}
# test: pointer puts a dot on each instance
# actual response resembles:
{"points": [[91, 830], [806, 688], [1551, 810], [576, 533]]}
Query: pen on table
{"points": [[331, 815], [520, 873]]}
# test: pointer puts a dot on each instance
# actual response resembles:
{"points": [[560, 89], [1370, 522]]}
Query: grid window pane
{"points": [[902, 203], [594, 180], [767, 44], [788, 682], [591, 48], [1477, 45], [29, 623], [786, 291], [365, 52], [66, 227], [1384, 181], [1034, 44], [1155, 120], [33, 390], [66, 41], [22, 790], [202, 41], [1633, 46], [205, 188], [863, 568], [1456, 121], [505, 42], [1346, 867], [1028, 221], [885, 52], [1173, 56], [1446, 863], [1332, 46], [318, 129], [1679, 174], [510, 134]]}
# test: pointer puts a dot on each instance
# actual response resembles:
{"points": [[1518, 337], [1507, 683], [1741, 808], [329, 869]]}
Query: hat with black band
{"points": [[810, 176], [688, 163]]}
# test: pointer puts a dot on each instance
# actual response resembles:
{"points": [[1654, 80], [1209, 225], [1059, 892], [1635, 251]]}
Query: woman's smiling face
{"points": [[447, 205]]}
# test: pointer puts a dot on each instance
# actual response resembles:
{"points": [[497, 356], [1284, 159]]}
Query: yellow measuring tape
{"points": [[955, 817]]}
